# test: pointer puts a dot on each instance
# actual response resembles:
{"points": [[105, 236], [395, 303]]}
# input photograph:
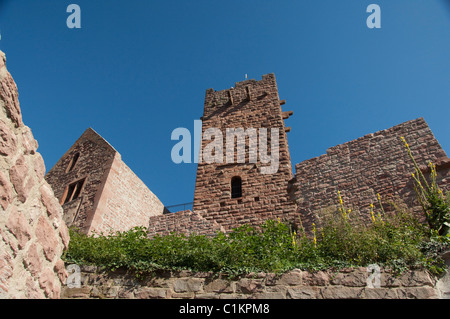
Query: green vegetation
{"points": [[398, 241]]}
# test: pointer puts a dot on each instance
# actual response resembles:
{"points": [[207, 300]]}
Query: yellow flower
{"points": [[379, 216], [314, 232]]}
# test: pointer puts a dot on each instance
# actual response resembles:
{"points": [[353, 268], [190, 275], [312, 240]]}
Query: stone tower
{"points": [[238, 180]]}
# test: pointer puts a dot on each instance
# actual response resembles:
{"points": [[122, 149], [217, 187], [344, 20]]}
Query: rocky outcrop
{"points": [[32, 232]]}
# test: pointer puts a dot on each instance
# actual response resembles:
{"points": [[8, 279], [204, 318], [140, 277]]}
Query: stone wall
{"points": [[125, 201], [183, 222], [32, 232], [297, 284], [359, 169]]}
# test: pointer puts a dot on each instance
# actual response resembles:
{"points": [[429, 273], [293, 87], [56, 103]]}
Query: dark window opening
{"points": [[73, 162], [74, 191], [257, 199], [236, 187]]}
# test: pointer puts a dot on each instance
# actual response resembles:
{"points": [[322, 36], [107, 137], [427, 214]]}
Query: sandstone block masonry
{"points": [[374, 164], [33, 234], [349, 283], [98, 191], [235, 193]]}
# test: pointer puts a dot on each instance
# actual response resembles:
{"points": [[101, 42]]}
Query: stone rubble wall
{"points": [[349, 283], [183, 222], [359, 169], [32, 232]]}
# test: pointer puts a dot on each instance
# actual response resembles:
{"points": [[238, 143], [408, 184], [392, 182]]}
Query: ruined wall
{"points": [[348, 283], [183, 222], [125, 201], [112, 197], [250, 104], [375, 163], [32, 232], [95, 159]]}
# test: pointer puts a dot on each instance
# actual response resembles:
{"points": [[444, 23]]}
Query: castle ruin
{"points": [[99, 193]]}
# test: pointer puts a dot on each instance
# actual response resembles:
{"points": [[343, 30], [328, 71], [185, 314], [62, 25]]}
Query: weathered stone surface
{"points": [[417, 293], [188, 285], [19, 227], [64, 234], [357, 278], [46, 236], [83, 293], [303, 292], [219, 285], [39, 166], [47, 283], [9, 96], [30, 239], [51, 203], [30, 145], [18, 175], [6, 272], [335, 292], [416, 279], [61, 271], [6, 191], [151, 293], [33, 260], [291, 278], [271, 295], [248, 286], [319, 278], [380, 293], [8, 141]]}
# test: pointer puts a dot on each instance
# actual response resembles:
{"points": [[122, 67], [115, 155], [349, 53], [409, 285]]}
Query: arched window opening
{"points": [[236, 187]]}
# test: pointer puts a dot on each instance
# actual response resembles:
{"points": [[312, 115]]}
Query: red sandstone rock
{"points": [[45, 235], [7, 140], [6, 191], [32, 261], [19, 227], [18, 175]]}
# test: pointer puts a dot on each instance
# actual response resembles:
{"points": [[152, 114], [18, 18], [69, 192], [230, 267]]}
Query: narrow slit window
{"points": [[73, 162], [73, 191], [236, 187]]}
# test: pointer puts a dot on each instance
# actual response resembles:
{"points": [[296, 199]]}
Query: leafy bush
{"points": [[435, 205], [397, 242]]}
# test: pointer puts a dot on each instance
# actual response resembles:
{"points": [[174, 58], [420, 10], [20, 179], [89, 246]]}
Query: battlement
{"points": [[221, 103]]}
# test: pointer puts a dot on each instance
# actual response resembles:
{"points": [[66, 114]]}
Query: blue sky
{"points": [[136, 70]]}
